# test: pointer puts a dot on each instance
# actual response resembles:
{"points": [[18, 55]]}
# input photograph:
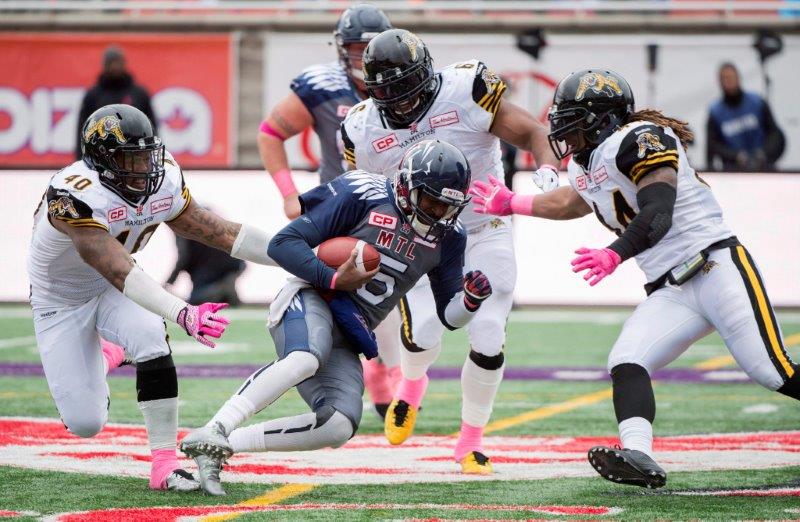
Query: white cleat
{"points": [[182, 480], [208, 440], [208, 469]]}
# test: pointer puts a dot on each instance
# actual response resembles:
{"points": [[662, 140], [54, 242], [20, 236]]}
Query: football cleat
{"points": [[381, 410], [208, 469], [476, 463], [182, 480], [627, 466], [399, 422], [208, 440]]}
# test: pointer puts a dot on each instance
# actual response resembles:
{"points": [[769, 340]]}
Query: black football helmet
{"points": [[591, 103], [440, 171], [358, 24], [398, 72], [119, 143]]}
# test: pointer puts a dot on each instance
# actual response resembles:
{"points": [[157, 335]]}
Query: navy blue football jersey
{"points": [[361, 205], [327, 93]]}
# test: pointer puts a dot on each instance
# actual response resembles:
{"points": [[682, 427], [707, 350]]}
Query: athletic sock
{"points": [[636, 433], [161, 420], [412, 391], [113, 354], [376, 381], [469, 439]]}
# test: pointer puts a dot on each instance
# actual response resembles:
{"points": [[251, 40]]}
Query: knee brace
{"points": [[487, 362], [339, 428], [156, 379], [791, 387], [633, 392]]}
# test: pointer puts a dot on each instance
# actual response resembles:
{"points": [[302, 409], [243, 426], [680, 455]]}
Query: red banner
{"points": [[45, 76]]}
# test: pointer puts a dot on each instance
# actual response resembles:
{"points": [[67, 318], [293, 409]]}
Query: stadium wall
{"points": [[760, 208]]}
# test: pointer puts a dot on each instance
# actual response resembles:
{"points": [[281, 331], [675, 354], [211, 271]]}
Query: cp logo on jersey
{"points": [[61, 207], [648, 141], [382, 220], [103, 127], [598, 83], [385, 143], [117, 214]]}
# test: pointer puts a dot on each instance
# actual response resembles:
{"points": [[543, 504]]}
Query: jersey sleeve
{"points": [[181, 197], [349, 148], [447, 279], [352, 137], [487, 91], [644, 149], [75, 208]]}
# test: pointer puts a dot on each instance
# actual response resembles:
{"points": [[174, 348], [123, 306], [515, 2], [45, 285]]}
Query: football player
{"points": [[84, 282], [631, 168], [461, 104], [321, 96], [321, 320]]}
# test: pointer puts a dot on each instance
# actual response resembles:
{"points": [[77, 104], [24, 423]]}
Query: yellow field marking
{"points": [[584, 400], [792, 340], [715, 363], [549, 410], [272, 496]]}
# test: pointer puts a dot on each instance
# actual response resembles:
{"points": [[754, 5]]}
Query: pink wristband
{"points": [[522, 204], [267, 129], [283, 179], [333, 280]]}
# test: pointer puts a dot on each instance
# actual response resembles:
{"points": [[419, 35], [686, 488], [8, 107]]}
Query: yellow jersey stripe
{"points": [[763, 311], [643, 167]]}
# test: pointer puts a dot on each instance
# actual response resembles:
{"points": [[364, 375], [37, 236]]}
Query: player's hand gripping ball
{"points": [[476, 289], [355, 261]]}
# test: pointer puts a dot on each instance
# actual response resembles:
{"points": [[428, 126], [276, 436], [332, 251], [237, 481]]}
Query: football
{"points": [[335, 251]]}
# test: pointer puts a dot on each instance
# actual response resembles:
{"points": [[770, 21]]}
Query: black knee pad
{"points": [[156, 379], [494, 362], [791, 388], [633, 392]]}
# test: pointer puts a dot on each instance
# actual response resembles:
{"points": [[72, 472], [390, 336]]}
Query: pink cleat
{"points": [[113, 354]]}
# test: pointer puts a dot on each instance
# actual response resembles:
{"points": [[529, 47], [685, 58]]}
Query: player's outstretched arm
{"points": [[516, 126], [497, 199], [106, 255], [288, 118], [241, 241]]}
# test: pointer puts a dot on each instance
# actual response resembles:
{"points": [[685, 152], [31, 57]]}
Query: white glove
{"points": [[546, 178]]}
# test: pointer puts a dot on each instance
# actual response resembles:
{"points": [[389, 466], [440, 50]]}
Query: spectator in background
{"points": [[741, 133], [114, 85], [213, 272]]}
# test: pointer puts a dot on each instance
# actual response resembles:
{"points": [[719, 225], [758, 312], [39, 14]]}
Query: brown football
{"points": [[335, 251]]}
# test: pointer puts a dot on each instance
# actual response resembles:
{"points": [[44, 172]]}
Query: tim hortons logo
{"points": [[117, 214], [599, 175], [382, 220], [385, 143], [161, 205], [442, 120]]}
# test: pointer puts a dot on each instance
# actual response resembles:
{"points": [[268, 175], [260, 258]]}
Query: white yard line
{"points": [[16, 342]]}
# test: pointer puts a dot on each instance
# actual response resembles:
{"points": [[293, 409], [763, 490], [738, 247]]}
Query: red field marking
{"points": [[169, 514], [122, 450]]}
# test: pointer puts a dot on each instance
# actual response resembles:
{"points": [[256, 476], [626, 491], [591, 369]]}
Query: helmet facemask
{"points": [[431, 214], [402, 97], [135, 171], [576, 129]]}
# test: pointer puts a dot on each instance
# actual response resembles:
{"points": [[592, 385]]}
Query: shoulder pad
{"points": [[487, 88], [320, 83], [644, 148], [67, 206]]}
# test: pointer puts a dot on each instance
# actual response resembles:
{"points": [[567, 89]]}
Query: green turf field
{"points": [[577, 339]]}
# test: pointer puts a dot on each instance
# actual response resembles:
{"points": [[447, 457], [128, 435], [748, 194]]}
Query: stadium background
{"points": [[215, 67]]}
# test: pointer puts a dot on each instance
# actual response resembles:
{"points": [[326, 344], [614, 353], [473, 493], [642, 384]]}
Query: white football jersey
{"points": [[462, 112], [608, 185], [76, 196]]}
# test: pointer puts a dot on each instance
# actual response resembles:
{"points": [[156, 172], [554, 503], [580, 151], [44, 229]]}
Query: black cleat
{"points": [[627, 466]]}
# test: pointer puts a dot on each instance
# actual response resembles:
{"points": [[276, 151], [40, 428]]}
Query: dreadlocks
{"points": [[679, 127]]}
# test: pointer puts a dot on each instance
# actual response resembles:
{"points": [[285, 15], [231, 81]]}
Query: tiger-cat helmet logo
{"points": [[599, 84], [103, 127]]}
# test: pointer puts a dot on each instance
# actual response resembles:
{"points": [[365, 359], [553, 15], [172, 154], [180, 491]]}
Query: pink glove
{"points": [[497, 199], [201, 321], [600, 263]]}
